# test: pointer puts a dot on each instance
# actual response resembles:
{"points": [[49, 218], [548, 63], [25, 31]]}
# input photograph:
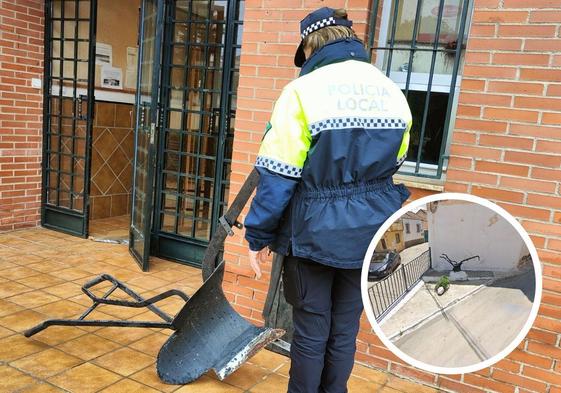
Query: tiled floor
{"points": [[110, 228], [41, 275]]}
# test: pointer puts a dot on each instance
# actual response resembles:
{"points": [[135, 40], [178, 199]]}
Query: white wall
{"points": [[413, 234], [463, 229]]}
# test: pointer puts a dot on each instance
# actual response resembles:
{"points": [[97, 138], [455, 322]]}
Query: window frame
{"points": [[410, 81]]}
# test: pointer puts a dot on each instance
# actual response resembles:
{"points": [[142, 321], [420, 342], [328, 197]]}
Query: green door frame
{"points": [[146, 129], [172, 244], [67, 129]]}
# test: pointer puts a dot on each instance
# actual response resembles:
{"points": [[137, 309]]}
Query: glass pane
{"points": [[195, 105], [434, 127], [145, 134]]}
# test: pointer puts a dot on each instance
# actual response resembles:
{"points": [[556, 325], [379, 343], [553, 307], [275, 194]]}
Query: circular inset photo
{"points": [[451, 283]]}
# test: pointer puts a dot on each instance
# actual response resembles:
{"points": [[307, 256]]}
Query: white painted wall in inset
{"points": [[462, 229]]}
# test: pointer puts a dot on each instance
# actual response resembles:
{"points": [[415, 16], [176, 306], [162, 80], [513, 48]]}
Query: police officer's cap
{"points": [[316, 20]]}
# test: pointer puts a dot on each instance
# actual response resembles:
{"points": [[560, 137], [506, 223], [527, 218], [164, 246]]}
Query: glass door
{"points": [[200, 75], [146, 129], [68, 114]]}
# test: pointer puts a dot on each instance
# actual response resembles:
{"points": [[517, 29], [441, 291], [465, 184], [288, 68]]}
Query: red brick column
{"points": [[21, 108]]}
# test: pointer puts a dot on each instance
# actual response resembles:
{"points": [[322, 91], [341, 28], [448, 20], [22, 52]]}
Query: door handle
{"points": [[80, 104], [152, 132]]}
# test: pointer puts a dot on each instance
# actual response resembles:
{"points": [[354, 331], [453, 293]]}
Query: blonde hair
{"points": [[319, 38]]}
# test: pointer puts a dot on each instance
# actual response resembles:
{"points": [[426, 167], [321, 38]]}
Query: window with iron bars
{"points": [[420, 45]]}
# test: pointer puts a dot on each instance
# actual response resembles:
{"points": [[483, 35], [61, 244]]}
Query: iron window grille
{"points": [[415, 43]]}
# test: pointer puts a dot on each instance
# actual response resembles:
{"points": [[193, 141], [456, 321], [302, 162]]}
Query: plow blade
{"points": [[210, 335]]}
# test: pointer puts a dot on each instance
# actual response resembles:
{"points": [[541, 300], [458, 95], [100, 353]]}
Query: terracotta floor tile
{"points": [[51, 254], [360, 385], [41, 388], [85, 378], [12, 288], [33, 299], [408, 386], [5, 264], [39, 281], [47, 266], [269, 360], [61, 309], [56, 335], [147, 282], [172, 308], [17, 346], [128, 386], [172, 275], [7, 307], [22, 320], [99, 268], [12, 379], [246, 376], [5, 332], [64, 291], [125, 275], [72, 274], [284, 370], [151, 344], [372, 375], [26, 259], [273, 383], [123, 336], [16, 242], [82, 280], [208, 385], [18, 272], [149, 377], [387, 389], [125, 361], [82, 299], [47, 363], [88, 346], [123, 312]]}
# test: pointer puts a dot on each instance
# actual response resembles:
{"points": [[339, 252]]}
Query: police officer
{"points": [[336, 136]]}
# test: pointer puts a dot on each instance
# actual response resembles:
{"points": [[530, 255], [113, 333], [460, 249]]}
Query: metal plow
{"points": [[208, 333]]}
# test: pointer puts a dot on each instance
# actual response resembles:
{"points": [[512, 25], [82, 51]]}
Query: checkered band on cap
{"points": [[342, 123], [318, 25], [278, 167]]}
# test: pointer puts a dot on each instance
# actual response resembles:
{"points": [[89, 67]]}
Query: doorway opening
{"points": [[140, 99]]}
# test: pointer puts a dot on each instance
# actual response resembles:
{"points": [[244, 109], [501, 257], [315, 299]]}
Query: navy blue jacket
{"points": [[337, 135]]}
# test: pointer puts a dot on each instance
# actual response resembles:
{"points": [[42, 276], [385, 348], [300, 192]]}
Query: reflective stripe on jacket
{"points": [[336, 136]]}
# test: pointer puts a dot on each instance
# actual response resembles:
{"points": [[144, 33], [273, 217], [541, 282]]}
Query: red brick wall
{"points": [[21, 58], [506, 146]]}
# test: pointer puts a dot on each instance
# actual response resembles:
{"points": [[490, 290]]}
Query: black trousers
{"points": [[327, 306]]}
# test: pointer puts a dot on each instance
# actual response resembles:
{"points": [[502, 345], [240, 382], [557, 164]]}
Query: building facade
{"points": [[490, 125]]}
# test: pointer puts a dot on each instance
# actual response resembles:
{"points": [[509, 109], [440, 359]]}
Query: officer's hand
{"points": [[255, 258]]}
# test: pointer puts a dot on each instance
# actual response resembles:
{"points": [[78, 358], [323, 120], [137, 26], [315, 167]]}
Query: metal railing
{"points": [[386, 293]]}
